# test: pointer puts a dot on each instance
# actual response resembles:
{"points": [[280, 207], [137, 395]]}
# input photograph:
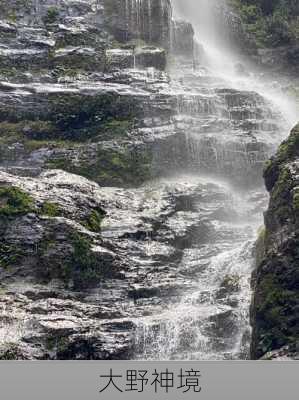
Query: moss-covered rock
{"points": [[122, 167], [73, 261], [14, 201], [50, 209], [11, 351], [275, 316], [9, 254], [94, 220], [287, 152]]}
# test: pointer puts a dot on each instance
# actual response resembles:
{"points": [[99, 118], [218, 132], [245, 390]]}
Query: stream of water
{"points": [[230, 114]]}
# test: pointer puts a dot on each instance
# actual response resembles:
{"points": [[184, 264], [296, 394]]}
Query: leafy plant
{"points": [[14, 201], [51, 16]]}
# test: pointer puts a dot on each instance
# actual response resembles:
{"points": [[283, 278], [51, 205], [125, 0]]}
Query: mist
{"points": [[222, 57], [200, 13]]}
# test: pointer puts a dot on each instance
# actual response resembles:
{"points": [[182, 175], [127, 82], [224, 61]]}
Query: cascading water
{"points": [[140, 22], [230, 130]]}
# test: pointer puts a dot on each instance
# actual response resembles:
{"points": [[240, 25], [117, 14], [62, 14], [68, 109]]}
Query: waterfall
{"points": [[230, 124]]}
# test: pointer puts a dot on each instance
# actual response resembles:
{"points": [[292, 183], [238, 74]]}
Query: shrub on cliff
{"points": [[271, 22]]}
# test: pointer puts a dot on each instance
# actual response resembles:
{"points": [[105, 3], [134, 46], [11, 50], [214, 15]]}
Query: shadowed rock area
{"points": [[276, 292]]}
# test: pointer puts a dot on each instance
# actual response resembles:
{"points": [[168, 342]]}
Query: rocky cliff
{"points": [[275, 312], [82, 85], [101, 104]]}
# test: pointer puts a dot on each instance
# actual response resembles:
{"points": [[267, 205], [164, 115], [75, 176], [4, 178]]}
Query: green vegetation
{"points": [[56, 343], [52, 16], [70, 120], [94, 220], [271, 22], [115, 128], [275, 312], [80, 267], [287, 152], [10, 9], [84, 267], [110, 167], [296, 200], [289, 149], [281, 191], [260, 247], [84, 117], [50, 209], [9, 255], [14, 201], [27, 132], [10, 351]]}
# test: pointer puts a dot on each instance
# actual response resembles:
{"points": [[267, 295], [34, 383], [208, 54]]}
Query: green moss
{"points": [[94, 220], [32, 145], [275, 313], [83, 117], [56, 343], [281, 191], [33, 135], [296, 201], [78, 266], [289, 149], [10, 351], [10, 9], [115, 128], [10, 130], [9, 73], [14, 201], [260, 246], [26, 131], [84, 268], [52, 16], [110, 168], [287, 152], [9, 255], [50, 209], [74, 118]]}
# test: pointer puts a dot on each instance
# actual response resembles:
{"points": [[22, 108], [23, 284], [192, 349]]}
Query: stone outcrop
{"points": [[275, 314], [146, 20], [183, 39]]}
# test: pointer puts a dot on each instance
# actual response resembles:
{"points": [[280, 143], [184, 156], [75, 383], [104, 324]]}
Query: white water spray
{"points": [[223, 58], [210, 320]]}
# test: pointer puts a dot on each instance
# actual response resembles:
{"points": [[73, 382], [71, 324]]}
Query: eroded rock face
{"points": [[87, 271], [147, 20], [275, 304], [183, 39], [84, 267]]}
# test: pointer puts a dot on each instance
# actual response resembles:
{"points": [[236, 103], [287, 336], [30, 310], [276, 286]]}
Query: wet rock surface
{"points": [[275, 303], [147, 253], [115, 244]]}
